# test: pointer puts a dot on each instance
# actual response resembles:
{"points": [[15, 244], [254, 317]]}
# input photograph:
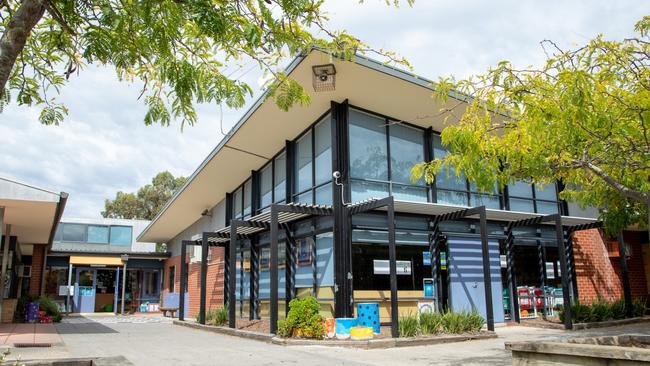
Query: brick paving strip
{"points": [[29, 335]]}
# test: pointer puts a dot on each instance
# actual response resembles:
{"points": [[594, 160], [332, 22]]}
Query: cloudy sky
{"points": [[103, 146]]}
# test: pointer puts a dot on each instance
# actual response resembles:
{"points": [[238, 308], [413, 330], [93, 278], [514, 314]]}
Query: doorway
{"points": [[94, 290]]}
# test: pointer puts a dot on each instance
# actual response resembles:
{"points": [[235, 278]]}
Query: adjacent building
{"points": [[91, 256], [325, 170]]}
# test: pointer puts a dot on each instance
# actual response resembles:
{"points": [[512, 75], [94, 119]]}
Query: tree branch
{"points": [[626, 191]]}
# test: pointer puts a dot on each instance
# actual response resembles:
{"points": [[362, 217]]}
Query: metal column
{"points": [[290, 269], [183, 281], [392, 257], [232, 274], [254, 285], [566, 295], [627, 292], [117, 287], [487, 275], [124, 284], [67, 294], [274, 270], [204, 278]]}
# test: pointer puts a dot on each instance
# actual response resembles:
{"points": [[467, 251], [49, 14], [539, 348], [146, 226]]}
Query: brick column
{"points": [[38, 254]]}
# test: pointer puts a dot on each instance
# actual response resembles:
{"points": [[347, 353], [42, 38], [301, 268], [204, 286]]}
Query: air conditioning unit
{"points": [[24, 271]]}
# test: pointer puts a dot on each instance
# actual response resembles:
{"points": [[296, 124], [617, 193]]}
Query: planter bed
{"points": [[611, 323], [380, 342], [385, 342]]}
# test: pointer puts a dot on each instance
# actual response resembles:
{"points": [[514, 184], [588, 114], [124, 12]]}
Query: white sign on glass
{"points": [[550, 270], [381, 267]]}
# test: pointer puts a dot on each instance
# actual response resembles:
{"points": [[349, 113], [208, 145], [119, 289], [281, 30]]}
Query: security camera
{"points": [[336, 174], [323, 77]]}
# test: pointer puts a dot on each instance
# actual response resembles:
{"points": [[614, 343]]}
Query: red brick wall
{"points": [[598, 275], [37, 270], [214, 280]]}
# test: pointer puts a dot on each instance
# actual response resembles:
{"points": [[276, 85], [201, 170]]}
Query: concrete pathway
{"points": [[162, 343], [28, 334]]}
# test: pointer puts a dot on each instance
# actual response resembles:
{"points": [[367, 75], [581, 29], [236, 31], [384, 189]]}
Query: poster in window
{"points": [[265, 259], [550, 270], [304, 251], [247, 261], [426, 258]]}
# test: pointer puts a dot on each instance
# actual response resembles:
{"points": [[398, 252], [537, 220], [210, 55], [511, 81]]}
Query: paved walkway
{"points": [[28, 334], [162, 343]]}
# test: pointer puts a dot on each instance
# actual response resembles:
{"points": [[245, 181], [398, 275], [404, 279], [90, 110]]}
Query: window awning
{"points": [[96, 260]]}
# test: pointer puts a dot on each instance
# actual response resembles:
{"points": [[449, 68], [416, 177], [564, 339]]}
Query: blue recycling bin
{"points": [[31, 312], [368, 315]]}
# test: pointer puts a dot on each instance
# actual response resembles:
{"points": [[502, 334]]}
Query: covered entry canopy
{"points": [[32, 212], [96, 260]]}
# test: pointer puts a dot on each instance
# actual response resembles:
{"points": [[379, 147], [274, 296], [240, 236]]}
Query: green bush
{"points": [[618, 309], [408, 326], [430, 323], [474, 322], [218, 316], [601, 311], [638, 308], [50, 308], [462, 322], [304, 318]]}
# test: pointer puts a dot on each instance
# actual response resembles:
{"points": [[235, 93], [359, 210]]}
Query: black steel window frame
{"points": [[468, 191], [58, 237], [558, 203], [314, 187], [389, 121], [240, 215], [271, 164]]}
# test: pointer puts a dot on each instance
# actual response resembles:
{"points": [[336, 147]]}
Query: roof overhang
{"points": [[264, 128], [32, 212]]}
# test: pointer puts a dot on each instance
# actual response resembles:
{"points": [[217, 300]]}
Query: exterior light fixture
{"points": [[324, 77], [207, 213]]}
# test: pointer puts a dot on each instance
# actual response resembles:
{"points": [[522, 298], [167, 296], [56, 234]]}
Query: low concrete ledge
{"points": [[264, 337], [561, 353], [95, 361], [611, 323], [384, 342]]}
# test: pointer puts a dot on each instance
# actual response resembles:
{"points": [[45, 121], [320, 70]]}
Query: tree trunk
{"points": [[28, 14]]}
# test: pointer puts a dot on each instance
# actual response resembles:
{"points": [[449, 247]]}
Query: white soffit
{"points": [[29, 210]]}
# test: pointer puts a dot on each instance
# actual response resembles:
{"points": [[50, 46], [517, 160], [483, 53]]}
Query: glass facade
{"points": [[455, 189], [313, 164], [382, 153], [93, 234], [525, 197]]}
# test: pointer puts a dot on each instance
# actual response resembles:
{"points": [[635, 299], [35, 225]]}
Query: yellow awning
{"points": [[96, 260]]}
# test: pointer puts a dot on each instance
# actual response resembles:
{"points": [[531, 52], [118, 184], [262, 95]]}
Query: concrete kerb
{"points": [[367, 344], [611, 323]]}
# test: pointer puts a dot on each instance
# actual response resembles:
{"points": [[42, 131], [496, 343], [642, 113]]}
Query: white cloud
{"points": [[103, 146]]}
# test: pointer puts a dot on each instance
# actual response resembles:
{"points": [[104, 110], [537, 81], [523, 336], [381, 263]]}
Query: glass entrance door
{"points": [[85, 290]]}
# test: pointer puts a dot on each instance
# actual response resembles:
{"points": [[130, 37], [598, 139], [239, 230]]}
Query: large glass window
{"points": [[248, 198], [98, 234], [280, 178], [455, 189], [313, 160], [237, 199], [303, 163], [73, 232], [368, 151], [381, 157], [266, 185], [526, 197], [120, 235]]}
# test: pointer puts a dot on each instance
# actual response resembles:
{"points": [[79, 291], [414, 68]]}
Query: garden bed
{"points": [[380, 341], [386, 341]]}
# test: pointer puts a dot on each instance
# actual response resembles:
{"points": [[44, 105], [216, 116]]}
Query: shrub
{"points": [[462, 322], [304, 318], [49, 307], [430, 323], [218, 316], [408, 326], [618, 309], [601, 311], [638, 308], [474, 322]]}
